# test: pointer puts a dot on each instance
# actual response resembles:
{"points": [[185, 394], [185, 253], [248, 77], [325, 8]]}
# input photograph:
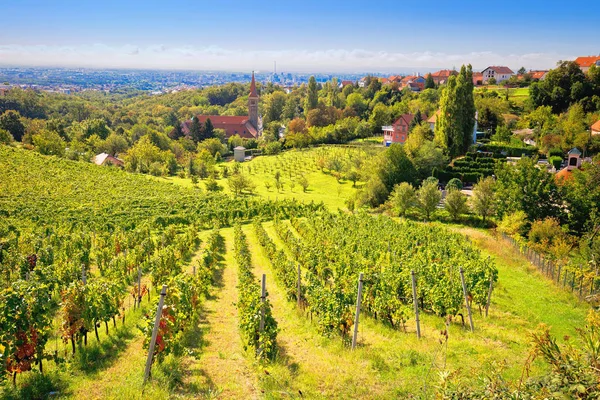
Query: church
{"points": [[243, 126]]}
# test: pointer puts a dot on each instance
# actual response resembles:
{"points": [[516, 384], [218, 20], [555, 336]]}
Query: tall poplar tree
{"points": [[312, 100], [454, 126]]}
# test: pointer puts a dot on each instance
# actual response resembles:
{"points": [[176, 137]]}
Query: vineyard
{"points": [[115, 285]]}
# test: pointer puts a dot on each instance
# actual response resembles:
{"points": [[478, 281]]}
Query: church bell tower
{"points": [[253, 104]]}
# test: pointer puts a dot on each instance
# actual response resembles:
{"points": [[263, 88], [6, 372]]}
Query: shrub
{"points": [[454, 183], [555, 161], [514, 224]]}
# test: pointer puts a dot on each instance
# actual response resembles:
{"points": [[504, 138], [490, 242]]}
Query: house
{"points": [[384, 81], [538, 75], [413, 82], [477, 78], [431, 120], [586, 62], [440, 77], [398, 131], [573, 162], [245, 126], [107, 159], [595, 129], [363, 82], [343, 84], [395, 78], [499, 73]]}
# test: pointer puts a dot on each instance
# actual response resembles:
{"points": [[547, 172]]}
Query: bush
{"points": [[156, 169], [454, 183], [5, 137], [273, 148], [514, 224], [555, 161]]}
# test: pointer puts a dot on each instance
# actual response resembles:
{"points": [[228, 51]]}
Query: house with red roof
{"points": [[343, 84], [586, 62], [244, 126], [595, 129], [477, 78], [440, 77], [415, 83], [499, 73], [398, 131]]}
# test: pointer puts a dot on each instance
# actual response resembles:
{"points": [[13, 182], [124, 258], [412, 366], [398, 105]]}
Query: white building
{"points": [[500, 74]]}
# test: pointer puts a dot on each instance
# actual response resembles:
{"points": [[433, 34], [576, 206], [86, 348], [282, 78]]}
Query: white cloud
{"points": [[99, 55]]}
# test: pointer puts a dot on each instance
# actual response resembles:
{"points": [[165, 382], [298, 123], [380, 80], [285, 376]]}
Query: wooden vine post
{"points": [[489, 299], [139, 293], [462, 278], [161, 303], [299, 291], [263, 297], [358, 300], [415, 302]]}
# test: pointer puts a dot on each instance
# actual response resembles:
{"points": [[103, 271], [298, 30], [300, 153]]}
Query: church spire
{"points": [[253, 87], [253, 104]]}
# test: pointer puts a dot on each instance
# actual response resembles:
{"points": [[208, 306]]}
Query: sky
{"points": [[301, 36]]}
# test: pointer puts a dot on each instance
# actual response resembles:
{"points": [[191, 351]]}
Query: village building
{"points": [[595, 129], [248, 127], [107, 159], [415, 83], [573, 163], [586, 62], [343, 84], [441, 77], [4, 89], [499, 73], [477, 78], [398, 131]]}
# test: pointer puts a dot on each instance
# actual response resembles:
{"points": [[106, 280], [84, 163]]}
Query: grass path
{"points": [[222, 368]]}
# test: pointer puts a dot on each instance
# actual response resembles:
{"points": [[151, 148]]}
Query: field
{"points": [[170, 234], [322, 185]]}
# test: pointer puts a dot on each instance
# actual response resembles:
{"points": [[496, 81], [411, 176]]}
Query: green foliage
{"points": [[484, 197], [251, 307], [454, 183], [429, 197], [49, 143], [403, 198], [5, 137], [455, 203], [11, 121], [513, 224]]}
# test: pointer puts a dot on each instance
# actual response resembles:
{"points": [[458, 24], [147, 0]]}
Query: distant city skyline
{"points": [[312, 36]]}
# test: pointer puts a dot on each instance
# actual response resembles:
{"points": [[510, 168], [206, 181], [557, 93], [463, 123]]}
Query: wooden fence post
{"points": [[263, 296], [194, 270], [161, 302], [139, 293], [416, 303], [489, 299], [83, 274], [358, 300], [299, 286], [462, 278]]}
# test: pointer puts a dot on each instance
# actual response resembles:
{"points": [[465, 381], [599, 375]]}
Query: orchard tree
{"points": [[429, 196], [483, 201], [403, 198], [11, 121], [455, 203]]}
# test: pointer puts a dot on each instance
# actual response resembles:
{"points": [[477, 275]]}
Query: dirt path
{"points": [[222, 369]]}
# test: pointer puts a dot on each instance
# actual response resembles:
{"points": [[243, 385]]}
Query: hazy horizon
{"points": [[315, 36]]}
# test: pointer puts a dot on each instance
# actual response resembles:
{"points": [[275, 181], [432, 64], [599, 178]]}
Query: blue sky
{"points": [[302, 36]]}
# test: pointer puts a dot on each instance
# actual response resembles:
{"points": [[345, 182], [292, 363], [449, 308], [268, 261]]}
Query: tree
{"points": [[240, 183], [11, 121], [209, 130], [429, 82], [455, 203], [302, 181], [454, 183], [482, 201], [176, 132], [428, 157], [522, 71], [357, 103], [312, 98], [196, 130], [395, 167], [5, 137], [503, 134], [403, 198], [380, 116], [274, 105], [491, 81], [114, 144], [416, 121], [213, 146], [526, 187], [429, 197], [49, 143]]}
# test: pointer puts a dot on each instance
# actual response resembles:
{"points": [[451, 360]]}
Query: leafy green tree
{"points": [[416, 121], [403, 198], [274, 105], [240, 183], [5, 137], [114, 144], [483, 199], [526, 187], [213, 146], [357, 103], [429, 82], [11, 121], [503, 134], [454, 183], [455, 203], [196, 130], [312, 98], [380, 116], [395, 167], [49, 143], [429, 197], [303, 182]]}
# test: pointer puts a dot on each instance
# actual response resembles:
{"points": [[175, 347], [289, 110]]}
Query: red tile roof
{"points": [[233, 125], [596, 126], [537, 74], [444, 73], [500, 69], [346, 83], [587, 61]]}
